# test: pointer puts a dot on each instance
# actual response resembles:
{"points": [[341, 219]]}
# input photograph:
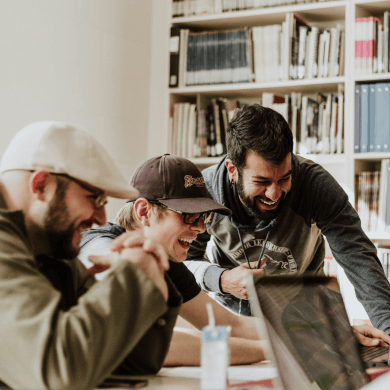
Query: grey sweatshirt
{"points": [[316, 206]]}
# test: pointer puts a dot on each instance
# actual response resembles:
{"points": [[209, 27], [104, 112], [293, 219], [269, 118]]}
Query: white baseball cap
{"points": [[61, 148]]}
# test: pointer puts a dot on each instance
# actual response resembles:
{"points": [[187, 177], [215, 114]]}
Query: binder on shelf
{"points": [[382, 117], [364, 118], [371, 117]]}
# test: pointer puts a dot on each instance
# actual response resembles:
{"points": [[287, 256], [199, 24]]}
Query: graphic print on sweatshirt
{"points": [[279, 259]]}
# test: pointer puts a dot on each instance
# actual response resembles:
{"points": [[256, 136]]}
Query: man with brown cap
{"points": [[171, 207], [58, 328]]}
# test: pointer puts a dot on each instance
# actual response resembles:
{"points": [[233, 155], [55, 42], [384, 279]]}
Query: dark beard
{"points": [[251, 204], [60, 242]]}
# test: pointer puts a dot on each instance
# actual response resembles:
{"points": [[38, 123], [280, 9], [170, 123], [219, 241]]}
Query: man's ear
{"points": [[42, 185], [142, 209], [232, 171]]}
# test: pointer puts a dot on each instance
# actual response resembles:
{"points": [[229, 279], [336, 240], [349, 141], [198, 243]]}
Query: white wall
{"points": [[82, 61]]}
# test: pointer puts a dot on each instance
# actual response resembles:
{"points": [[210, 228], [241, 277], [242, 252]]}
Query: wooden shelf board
{"points": [[373, 77], [371, 156], [310, 12], [253, 89]]}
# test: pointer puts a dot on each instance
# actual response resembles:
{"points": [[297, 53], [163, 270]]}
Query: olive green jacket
{"points": [[121, 323]]}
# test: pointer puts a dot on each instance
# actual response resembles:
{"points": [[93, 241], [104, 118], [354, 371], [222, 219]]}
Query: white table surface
{"points": [[188, 378]]}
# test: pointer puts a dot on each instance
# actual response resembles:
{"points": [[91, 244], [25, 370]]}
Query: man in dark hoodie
{"points": [[283, 205]]}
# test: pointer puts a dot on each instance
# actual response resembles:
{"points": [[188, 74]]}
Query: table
{"points": [[188, 378]]}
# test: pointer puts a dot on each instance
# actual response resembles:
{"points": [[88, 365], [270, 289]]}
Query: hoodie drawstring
{"points": [[262, 249]]}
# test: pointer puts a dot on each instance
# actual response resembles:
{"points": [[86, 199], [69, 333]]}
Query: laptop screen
{"points": [[306, 316]]}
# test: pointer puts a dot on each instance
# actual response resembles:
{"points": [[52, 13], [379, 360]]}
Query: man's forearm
{"points": [[185, 349]]}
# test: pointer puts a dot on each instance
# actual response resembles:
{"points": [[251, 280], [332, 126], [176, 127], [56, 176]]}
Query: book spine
{"points": [[174, 56], [357, 119]]}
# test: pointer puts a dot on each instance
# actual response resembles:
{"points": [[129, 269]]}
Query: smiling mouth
{"points": [[268, 204], [185, 242]]}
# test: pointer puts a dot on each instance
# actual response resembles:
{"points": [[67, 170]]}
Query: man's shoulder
{"points": [[109, 230], [209, 173]]}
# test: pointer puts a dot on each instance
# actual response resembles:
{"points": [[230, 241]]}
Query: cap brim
{"points": [[195, 205]]}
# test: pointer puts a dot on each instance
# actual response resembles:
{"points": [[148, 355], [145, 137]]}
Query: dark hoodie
{"points": [[316, 206]]}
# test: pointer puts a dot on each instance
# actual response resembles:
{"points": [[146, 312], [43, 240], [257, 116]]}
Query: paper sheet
{"points": [[239, 373]]}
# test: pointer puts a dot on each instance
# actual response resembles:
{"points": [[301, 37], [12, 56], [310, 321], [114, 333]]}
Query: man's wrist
{"points": [[212, 277]]}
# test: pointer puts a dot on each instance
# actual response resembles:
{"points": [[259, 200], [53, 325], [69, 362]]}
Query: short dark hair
{"points": [[261, 130]]}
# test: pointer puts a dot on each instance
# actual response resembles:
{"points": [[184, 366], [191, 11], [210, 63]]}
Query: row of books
{"points": [[316, 123], [383, 253], [305, 53], [182, 8], [292, 50], [372, 43], [200, 133], [372, 118], [372, 202], [320, 125], [211, 57]]}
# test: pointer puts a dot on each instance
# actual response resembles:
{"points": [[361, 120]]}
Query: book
{"points": [[174, 45], [386, 42], [183, 57], [382, 208], [357, 133], [342, 54], [364, 119], [387, 218], [303, 31], [333, 125], [340, 120], [313, 54]]}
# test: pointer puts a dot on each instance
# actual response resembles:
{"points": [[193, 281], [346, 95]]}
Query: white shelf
{"points": [[373, 77], [311, 12], [371, 156], [253, 89]]}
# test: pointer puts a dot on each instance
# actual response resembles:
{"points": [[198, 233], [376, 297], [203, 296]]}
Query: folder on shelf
{"points": [[371, 118], [382, 117], [364, 118]]}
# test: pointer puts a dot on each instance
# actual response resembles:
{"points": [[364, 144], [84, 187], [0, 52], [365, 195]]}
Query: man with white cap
{"points": [[171, 207], [58, 328]]}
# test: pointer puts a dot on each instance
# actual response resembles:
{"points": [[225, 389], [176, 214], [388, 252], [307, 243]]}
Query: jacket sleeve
{"points": [[206, 273], [352, 249], [44, 347]]}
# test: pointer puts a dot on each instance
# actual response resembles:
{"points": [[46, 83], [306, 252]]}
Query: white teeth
{"points": [[186, 240], [268, 203]]}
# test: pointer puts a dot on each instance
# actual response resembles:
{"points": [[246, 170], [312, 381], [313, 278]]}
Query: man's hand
{"points": [[137, 239], [147, 254], [233, 281], [370, 336]]}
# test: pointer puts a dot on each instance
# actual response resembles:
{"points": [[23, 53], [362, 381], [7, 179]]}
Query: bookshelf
{"points": [[343, 166], [325, 14]]}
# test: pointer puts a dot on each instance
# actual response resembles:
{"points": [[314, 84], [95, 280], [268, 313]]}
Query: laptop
{"points": [[309, 333]]}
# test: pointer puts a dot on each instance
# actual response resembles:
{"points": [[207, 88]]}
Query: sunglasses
{"points": [[189, 219]]}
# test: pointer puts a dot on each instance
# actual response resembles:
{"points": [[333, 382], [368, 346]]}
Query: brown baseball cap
{"points": [[175, 182]]}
